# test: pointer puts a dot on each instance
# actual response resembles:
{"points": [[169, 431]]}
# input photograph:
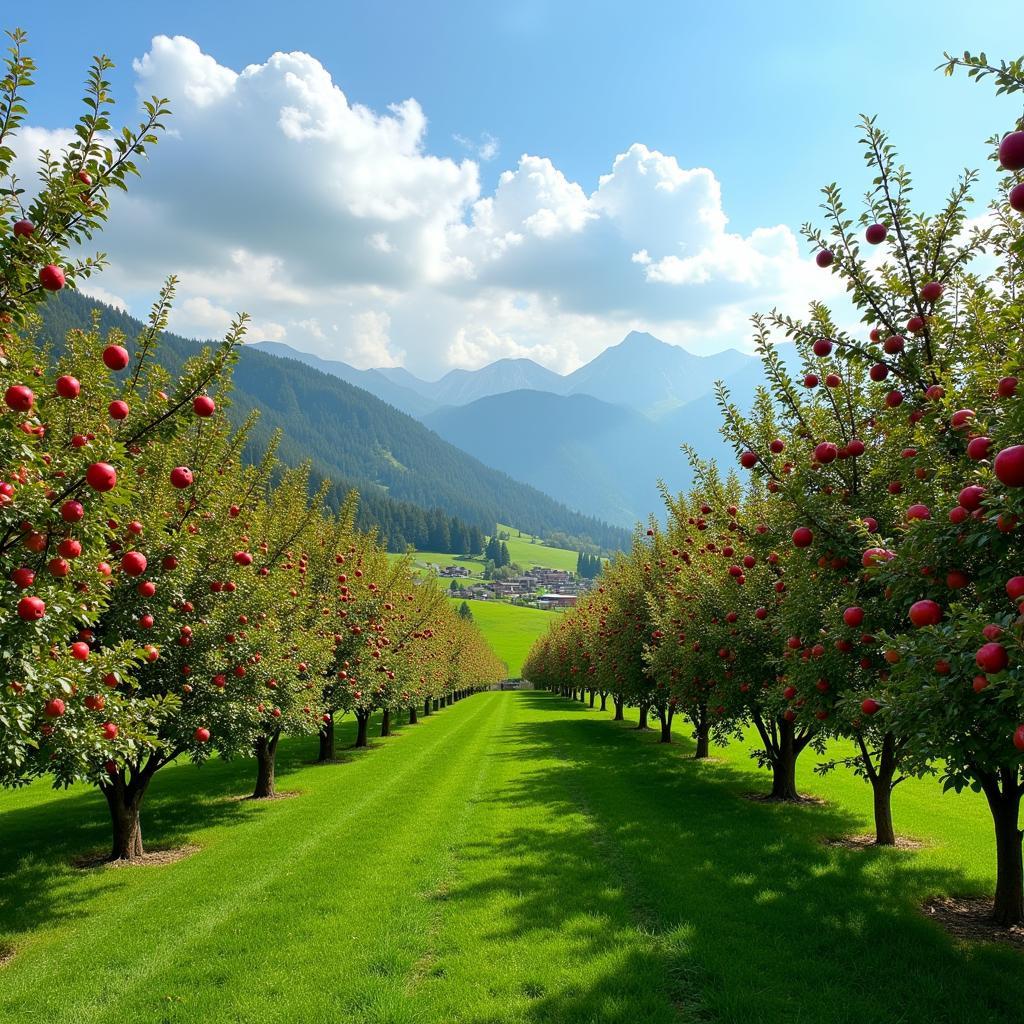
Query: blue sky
{"points": [[764, 96]]}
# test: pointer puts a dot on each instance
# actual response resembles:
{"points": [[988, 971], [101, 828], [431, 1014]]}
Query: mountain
{"points": [[594, 455], [601, 458], [352, 437], [374, 381], [460, 387], [648, 375], [641, 372]]}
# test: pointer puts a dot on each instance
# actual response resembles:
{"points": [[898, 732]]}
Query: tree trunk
{"points": [[265, 749], [665, 717], [413, 716], [427, 702], [437, 704], [385, 722], [327, 741], [124, 800], [881, 789], [1004, 802], [593, 697], [642, 724], [784, 765], [703, 731], [619, 716], [363, 719], [604, 701]]}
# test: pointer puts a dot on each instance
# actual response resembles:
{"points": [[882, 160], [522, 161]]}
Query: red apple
{"points": [[977, 448], [109, 731], [918, 512], [19, 398], [931, 291], [970, 497], [1009, 463], [203, 405], [1015, 588], [894, 344], [824, 258], [992, 657], [870, 706], [202, 735], [23, 228], [802, 537], [51, 277], [748, 460], [181, 477], [118, 410], [133, 563], [72, 511], [23, 578], [101, 476], [825, 452], [1007, 387], [853, 617], [876, 234], [822, 347], [31, 609], [957, 580], [80, 651], [1016, 197], [925, 613], [1011, 151], [68, 386], [53, 708], [115, 357]]}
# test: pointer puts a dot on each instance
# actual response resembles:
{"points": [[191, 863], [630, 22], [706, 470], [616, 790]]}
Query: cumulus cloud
{"points": [[340, 231]]}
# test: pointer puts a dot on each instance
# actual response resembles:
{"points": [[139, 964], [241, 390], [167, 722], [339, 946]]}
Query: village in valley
{"points": [[547, 589]]}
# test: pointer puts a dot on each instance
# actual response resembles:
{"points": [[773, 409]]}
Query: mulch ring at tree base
{"points": [[867, 842], [6, 953], [151, 858], [284, 794], [970, 919], [803, 801]]}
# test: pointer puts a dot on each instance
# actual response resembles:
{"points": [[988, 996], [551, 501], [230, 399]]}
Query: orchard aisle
{"points": [[514, 858]]}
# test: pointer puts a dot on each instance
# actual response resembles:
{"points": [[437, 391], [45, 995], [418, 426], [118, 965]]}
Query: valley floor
{"points": [[515, 858]]}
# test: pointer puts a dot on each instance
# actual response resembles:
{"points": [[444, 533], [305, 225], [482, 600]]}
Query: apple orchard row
{"points": [[159, 596], [857, 585], [153, 609]]}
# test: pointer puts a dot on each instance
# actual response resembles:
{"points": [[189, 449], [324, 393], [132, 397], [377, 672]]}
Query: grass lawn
{"points": [[509, 629], [515, 858], [521, 549], [528, 554]]}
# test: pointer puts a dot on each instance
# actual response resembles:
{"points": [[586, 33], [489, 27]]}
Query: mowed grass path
{"points": [[510, 629], [515, 858]]}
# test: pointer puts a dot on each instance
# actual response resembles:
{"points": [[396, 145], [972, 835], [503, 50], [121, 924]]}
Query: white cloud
{"points": [[370, 344], [486, 149], [95, 291], [278, 194]]}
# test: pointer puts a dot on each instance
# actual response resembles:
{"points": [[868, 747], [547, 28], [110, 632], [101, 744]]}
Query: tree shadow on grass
{"points": [[38, 842], [744, 914]]}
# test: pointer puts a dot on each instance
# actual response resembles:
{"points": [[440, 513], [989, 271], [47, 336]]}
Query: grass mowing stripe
{"points": [[113, 978]]}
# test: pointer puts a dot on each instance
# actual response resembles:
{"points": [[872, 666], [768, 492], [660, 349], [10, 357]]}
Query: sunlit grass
{"points": [[515, 858]]}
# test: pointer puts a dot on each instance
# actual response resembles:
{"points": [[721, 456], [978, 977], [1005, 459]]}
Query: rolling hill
{"points": [[354, 438]]}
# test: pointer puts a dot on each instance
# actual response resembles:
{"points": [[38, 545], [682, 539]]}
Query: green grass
{"points": [[521, 549], [510, 629], [516, 859], [528, 554]]}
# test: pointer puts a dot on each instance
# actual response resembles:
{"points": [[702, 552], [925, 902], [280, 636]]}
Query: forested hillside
{"points": [[399, 466]]}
